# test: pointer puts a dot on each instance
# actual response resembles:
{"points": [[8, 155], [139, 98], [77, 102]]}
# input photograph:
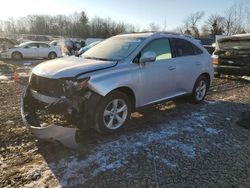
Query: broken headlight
{"points": [[72, 87]]}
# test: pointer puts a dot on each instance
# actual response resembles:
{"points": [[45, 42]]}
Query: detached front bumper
{"points": [[29, 102], [80, 108]]}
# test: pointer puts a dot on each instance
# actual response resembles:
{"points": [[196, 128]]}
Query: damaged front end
{"points": [[69, 98]]}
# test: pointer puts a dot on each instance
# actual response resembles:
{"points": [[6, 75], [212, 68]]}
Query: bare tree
{"points": [[191, 23], [153, 27], [214, 25], [164, 26], [234, 19]]}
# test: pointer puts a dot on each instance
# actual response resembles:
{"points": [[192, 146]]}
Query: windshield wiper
{"points": [[102, 59]]}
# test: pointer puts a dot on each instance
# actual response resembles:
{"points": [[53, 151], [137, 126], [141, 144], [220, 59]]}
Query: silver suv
{"points": [[103, 86]]}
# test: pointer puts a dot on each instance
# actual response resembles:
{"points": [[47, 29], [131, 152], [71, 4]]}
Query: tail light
{"points": [[215, 61]]}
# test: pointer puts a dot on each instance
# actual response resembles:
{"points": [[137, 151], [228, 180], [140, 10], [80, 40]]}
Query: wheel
{"points": [[113, 112], [199, 90], [52, 55], [17, 56]]}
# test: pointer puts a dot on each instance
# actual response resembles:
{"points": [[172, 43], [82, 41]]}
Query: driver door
{"points": [[157, 78], [30, 50]]}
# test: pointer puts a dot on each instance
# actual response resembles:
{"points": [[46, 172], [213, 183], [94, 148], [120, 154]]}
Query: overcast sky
{"points": [[138, 12]]}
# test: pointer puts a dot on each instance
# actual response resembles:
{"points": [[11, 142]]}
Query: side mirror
{"points": [[148, 57]]}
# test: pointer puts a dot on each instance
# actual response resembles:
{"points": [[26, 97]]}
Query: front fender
{"points": [[109, 81]]}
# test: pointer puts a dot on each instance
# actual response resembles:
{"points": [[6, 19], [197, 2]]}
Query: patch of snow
{"points": [[228, 98], [9, 122], [43, 169], [211, 102], [188, 129], [212, 130], [168, 163], [2, 77], [187, 149], [115, 154]]}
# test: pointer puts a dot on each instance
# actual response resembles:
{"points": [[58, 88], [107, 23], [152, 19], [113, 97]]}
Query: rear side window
{"points": [[161, 47], [185, 48], [197, 50], [43, 45]]}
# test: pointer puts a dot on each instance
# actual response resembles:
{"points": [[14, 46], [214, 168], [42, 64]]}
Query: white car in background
{"points": [[32, 50]]}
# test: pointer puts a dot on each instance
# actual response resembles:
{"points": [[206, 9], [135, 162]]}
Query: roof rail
{"points": [[172, 33], [137, 32], [160, 33]]}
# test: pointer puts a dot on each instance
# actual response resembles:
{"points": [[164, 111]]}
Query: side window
{"points": [[43, 45], [183, 47], [31, 45], [197, 50], [161, 47]]}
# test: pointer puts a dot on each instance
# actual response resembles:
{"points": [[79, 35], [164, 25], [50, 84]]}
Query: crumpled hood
{"points": [[69, 67]]}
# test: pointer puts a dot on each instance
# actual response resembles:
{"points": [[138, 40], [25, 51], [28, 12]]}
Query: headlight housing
{"points": [[72, 87]]}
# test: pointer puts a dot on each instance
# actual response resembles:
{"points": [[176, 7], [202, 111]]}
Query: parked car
{"points": [[91, 40], [208, 43], [125, 72], [68, 46], [210, 48], [232, 56], [85, 48], [32, 50], [6, 43]]}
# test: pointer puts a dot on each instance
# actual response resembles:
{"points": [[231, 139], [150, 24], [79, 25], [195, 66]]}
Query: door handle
{"points": [[198, 63], [171, 68]]}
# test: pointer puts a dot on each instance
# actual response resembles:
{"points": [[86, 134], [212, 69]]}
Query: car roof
{"points": [[151, 34], [136, 35], [33, 42]]}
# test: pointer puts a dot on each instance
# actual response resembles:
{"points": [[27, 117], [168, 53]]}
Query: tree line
{"points": [[75, 25], [234, 20]]}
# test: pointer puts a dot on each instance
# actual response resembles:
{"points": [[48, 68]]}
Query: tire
{"points": [[16, 56], [52, 55], [200, 90], [108, 118]]}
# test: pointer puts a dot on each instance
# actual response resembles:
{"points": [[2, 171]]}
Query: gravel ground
{"points": [[175, 144]]}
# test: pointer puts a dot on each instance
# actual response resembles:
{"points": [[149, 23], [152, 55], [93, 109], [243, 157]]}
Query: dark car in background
{"points": [[232, 56], [208, 44]]}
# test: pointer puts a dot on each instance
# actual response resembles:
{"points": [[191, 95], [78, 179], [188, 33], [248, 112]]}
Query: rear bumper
{"points": [[232, 70]]}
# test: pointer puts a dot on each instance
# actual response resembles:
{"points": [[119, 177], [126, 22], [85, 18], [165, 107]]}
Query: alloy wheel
{"points": [[201, 90], [115, 114]]}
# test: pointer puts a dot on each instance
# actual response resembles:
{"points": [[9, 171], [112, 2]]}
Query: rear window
{"points": [[185, 48], [43, 45]]}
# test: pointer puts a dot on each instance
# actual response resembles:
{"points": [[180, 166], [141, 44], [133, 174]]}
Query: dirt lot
{"points": [[169, 145]]}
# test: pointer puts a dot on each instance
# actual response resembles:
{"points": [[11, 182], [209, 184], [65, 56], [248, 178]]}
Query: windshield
{"points": [[115, 48], [24, 44], [238, 44]]}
